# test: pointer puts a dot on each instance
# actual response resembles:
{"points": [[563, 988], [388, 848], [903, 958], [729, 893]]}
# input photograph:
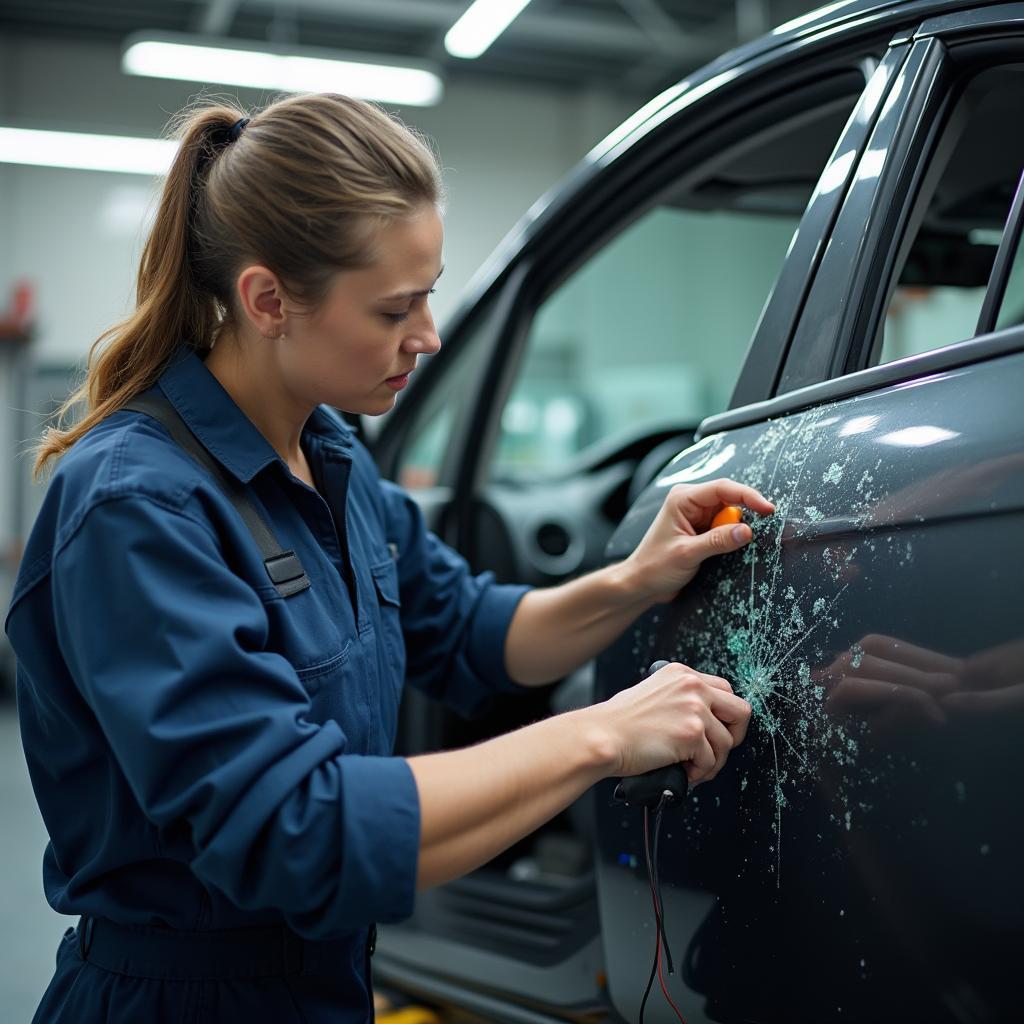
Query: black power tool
{"points": [[663, 785]]}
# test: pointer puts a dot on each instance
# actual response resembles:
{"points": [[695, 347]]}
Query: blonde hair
{"points": [[300, 191]]}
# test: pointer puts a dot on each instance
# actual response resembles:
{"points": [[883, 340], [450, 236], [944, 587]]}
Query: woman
{"points": [[209, 729]]}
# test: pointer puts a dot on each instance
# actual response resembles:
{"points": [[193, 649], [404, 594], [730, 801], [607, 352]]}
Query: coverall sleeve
{"points": [[454, 623], [167, 646]]}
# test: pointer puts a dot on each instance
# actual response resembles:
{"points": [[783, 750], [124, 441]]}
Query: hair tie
{"points": [[236, 129]]}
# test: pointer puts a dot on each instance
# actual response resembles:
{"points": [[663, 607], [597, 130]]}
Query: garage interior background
{"points": [[510, 124]]}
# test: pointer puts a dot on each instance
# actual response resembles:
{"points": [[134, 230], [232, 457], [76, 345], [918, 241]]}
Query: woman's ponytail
{"points": [[171, 308]]}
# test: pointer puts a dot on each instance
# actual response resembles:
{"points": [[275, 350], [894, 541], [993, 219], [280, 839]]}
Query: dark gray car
{"points": [[805, 258]]}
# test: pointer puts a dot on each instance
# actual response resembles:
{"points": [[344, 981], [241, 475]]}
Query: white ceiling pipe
{"points": [[291, 69]]}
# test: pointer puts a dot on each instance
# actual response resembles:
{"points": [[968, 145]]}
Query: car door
{"points": [[664, 282], [855, 859]]}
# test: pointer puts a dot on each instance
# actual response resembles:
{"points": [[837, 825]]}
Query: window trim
{"points": [[906, 371], [1006, 255], [780, 317], [860, 246]]}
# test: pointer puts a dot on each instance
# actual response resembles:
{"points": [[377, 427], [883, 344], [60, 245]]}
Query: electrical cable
{"points": [[657, 917], [664, 992], [657, 881], [654, 881]]}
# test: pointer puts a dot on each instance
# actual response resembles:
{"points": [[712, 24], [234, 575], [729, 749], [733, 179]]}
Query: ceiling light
{"points": [[86, 152], [181, 57], [482, 23]]}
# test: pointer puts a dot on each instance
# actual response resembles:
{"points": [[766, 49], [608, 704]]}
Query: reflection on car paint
{"points": [[713, 461], [917, 437]]}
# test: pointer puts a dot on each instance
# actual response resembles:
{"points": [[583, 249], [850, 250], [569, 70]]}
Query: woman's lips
{"points": [[399, 382]]}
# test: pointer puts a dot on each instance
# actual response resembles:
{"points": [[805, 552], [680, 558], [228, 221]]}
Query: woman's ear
{"points": [[261, 298]]}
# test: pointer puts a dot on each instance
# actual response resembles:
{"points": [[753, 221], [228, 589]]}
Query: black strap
{"points": [[283, 567]]}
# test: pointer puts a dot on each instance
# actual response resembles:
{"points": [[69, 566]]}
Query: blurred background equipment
{"points": [[16, 321]]}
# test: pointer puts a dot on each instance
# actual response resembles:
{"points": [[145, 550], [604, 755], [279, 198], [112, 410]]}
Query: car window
{"points": [[967, 191], [650, 332]]}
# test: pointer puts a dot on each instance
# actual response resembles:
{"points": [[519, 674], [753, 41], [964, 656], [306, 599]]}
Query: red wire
{"points": [[664, 989]]}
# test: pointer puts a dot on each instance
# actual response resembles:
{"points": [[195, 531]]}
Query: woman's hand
{"points": [[476, 802], [678, 540], [675, 716]]}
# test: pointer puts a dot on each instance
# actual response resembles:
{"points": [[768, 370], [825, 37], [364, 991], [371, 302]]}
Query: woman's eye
{"points": [[397, 318]]}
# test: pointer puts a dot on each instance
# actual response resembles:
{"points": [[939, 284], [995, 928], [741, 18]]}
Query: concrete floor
{"points": [[29, 929]]}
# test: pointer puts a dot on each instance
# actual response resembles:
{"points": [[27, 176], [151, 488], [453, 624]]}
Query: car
{"points": [[800, 268]]}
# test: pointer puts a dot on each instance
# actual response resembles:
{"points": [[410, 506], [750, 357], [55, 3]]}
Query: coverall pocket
{"points": [[314, 677], [385, 582], [385, 578]]}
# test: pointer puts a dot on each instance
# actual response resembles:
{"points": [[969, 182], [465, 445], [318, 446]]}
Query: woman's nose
{"points": [[423, 338]]}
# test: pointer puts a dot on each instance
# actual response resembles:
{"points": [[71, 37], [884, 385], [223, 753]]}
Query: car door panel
{"points": [[856, 859]]}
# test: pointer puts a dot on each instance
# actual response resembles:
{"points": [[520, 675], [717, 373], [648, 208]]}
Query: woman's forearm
{"points": [[478, 801], [557, 629]]}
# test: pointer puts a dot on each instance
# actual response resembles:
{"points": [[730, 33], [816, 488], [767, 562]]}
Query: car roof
{"points": [[834, 14], [830, 18]]}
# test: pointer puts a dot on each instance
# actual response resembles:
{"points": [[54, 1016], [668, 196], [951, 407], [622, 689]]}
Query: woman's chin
{"points": [[374, 406]]}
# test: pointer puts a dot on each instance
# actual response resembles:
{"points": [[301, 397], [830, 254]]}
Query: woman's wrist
{"points": [[627, 590], [595, 740]]}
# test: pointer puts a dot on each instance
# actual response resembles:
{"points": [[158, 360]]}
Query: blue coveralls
{"points": [[208, 755]]}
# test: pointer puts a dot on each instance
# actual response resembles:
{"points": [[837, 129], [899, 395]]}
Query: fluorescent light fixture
{"points": [[227, 62], [86, 152], [482, 23]]}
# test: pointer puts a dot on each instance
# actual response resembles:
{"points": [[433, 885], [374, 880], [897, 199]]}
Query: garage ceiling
{"points": [[635, 46]]}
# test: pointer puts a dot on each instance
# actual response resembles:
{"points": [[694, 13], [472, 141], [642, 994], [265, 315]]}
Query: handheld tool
{"points": [[668, 784], [729, 516], [654, 790]]}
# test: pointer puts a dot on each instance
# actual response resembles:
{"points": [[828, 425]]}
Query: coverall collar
{"points": [[214, 417]]}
